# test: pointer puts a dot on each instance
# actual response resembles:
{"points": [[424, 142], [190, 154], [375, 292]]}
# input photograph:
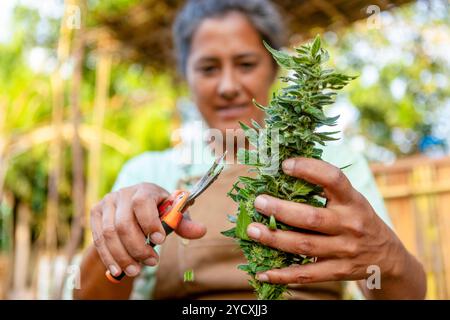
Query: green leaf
{"points": [[282, 58], [325, 136], [244, 267], [229, 233], [259, 105], [315, 112], [242, 223], [302, 188], [256, 125], [189, 275], [329, 121], [315, 46], [345, 167], [250, 133], [248, 157], [233, 196], [272, 223]]}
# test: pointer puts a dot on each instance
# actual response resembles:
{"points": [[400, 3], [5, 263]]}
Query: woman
{"points": [[221, 55]]}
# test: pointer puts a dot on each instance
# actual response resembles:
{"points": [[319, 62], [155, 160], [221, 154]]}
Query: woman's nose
{"points": [[229, 86]]}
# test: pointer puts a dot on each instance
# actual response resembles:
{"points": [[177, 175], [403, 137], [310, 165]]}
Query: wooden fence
{"points": [[417, 195]]}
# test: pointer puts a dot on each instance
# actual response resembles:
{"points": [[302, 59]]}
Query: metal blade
{"points": [[208, 178], [206, 185]]}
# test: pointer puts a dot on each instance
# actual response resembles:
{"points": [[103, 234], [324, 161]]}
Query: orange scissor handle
{"points": [[172, 209]]}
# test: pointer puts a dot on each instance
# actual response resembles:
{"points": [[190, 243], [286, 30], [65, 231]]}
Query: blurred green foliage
{"points": [[404, 83], [140, 111]]}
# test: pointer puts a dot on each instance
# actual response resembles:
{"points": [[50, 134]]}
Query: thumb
{"points": [[190, 229]]}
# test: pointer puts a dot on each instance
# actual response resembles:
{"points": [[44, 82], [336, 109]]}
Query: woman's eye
{"points": [[207, 70], [247, 66]]}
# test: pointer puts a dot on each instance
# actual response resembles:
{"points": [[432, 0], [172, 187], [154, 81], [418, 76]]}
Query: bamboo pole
{"points": [[101, 100], [3, 143], [4, 160], [7, 256], [78, 194], [56, 148], [22, 241], [6, 231]]}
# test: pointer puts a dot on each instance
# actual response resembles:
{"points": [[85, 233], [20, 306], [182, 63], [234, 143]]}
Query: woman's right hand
{"points": [[122, 220]]}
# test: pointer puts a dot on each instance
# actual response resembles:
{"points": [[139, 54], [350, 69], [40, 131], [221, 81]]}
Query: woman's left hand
{"points": [[349, 236]]}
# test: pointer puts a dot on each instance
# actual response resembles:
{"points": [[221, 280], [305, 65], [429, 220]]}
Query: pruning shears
{"points": [[171, 210]]}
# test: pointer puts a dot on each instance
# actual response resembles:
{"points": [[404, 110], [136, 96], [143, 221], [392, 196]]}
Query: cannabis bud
{"points": [[294, 114]]}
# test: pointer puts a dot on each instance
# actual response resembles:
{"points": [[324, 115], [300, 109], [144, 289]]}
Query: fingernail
{"points": [[253, 232], [262, 277], [131, 270], [260, 202], [114, 271], [150, 262], [288, 165], [157, 237]]}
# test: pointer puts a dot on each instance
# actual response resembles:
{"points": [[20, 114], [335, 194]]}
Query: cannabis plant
{"points": [[295, 113]]}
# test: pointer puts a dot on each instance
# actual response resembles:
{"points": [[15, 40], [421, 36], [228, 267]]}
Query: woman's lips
{"points": [[232, 111]]}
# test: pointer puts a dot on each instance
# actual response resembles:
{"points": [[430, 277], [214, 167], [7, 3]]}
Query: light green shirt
{"points": [[164, 169]]}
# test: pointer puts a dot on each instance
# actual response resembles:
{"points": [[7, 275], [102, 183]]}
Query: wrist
{"points": [[397, 259], [402, 275]]}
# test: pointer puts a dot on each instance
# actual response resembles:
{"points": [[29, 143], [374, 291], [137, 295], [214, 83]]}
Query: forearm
{"points": [[406, 280], [94, 284]]}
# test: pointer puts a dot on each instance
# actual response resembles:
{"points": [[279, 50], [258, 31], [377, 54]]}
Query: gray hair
{"points": [[261, 13]]}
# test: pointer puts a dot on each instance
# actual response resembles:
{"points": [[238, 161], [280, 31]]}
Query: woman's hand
{"points": [[349, 236], [122, 220]]}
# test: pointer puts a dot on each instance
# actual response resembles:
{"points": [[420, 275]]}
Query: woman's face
{"points": [[227, 67]]}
